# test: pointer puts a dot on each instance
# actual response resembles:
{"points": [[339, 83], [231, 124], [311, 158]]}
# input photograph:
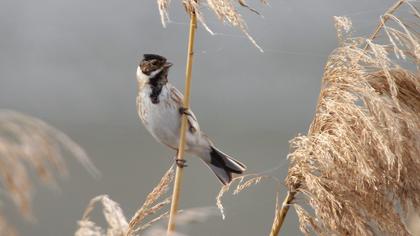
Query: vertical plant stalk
{"points": [[282, 212], [181, 148]]}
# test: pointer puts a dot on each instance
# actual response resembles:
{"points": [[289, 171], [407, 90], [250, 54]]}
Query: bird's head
{"points": [[152, 65]]}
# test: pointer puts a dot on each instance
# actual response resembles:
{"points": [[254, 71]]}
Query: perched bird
{"points": [[159, 105]]}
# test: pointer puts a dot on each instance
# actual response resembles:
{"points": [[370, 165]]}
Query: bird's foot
{"points": [[181, 163], [185, 111]]}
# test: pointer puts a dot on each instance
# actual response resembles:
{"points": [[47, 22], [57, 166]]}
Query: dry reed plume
{"points": [[356, 171], [30, 145], [225, 10]]}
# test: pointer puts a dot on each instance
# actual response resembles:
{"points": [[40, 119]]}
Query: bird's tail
{"points": [[223, 165]]}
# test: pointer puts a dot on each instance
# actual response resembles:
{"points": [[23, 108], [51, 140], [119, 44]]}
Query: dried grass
{"points": [[357, 168], [117, 224], [149, 207], [30, 145], [242, 182], [114, 216], [225, 10]]}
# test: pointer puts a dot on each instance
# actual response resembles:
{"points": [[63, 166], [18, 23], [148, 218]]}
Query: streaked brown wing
{"points": [[177, 97]]}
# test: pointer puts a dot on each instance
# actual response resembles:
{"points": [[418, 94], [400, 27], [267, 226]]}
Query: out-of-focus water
{"points": [[73, 63]]}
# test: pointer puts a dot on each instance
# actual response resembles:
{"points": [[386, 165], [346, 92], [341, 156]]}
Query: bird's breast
{"points": [[161, 119]]}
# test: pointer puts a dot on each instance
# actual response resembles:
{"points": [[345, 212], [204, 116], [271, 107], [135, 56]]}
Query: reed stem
{"points": [[281, 214], [184, 124], [385, 18]]}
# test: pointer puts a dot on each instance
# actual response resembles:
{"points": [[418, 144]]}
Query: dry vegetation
{"points": [[146, 219], [29, 147], [356, 171], [225, 10], [117, 223]]}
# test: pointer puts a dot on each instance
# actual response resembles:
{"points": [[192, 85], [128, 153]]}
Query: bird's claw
{"points": [[185, 111], [181, 163]]}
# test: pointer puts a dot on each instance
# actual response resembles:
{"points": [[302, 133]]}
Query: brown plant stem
{"points": [[281, 213], [184, 124], [381, 24]]}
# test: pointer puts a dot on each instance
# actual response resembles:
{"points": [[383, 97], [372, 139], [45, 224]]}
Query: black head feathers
{"points": [[152, 62], [149, 57]]}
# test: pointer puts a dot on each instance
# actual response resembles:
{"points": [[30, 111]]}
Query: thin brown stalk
{"points": [[282, 212], [244, 182], [381, 24], [184, 124]]}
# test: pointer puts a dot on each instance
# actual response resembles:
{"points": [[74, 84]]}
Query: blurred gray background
{"points": [[73, 63]]}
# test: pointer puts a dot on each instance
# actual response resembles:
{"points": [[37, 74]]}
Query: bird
{"points": [[160, 108]]}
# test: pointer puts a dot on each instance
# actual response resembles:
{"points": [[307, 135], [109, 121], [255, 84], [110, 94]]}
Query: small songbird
{"points": [[159, 105]]}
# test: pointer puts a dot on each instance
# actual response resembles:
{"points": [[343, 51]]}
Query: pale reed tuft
{"points": [[114, 216], [224, 10], [116, 221], [117, 224], [28, 144], [357, 169]]}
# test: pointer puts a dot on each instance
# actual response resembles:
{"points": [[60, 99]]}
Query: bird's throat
{"points": [[156, 83]]}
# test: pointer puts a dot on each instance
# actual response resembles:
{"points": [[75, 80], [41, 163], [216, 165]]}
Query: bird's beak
{"points": [[168, 64]]}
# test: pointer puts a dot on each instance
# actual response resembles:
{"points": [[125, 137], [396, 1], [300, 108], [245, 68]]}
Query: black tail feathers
{"points": [[223, 165]]}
